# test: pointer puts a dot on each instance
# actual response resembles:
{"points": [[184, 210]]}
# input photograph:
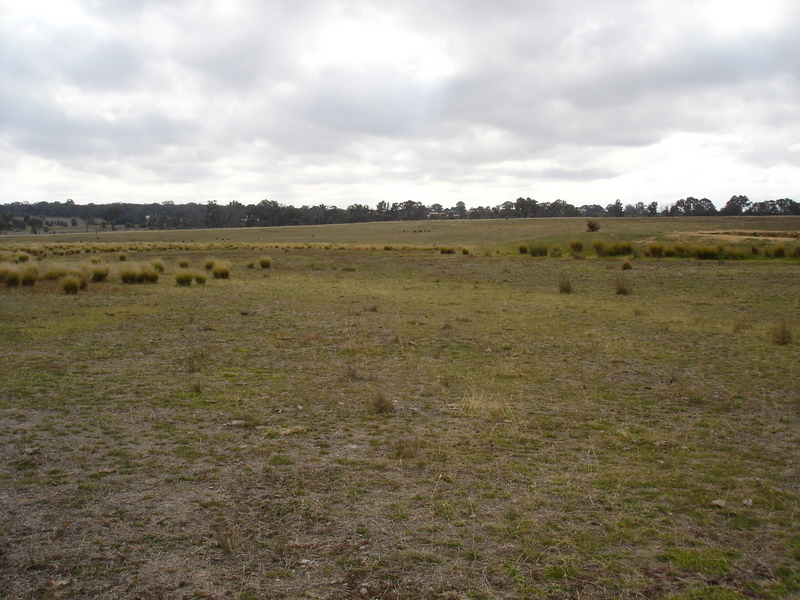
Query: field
{"points": [[403, 410]]}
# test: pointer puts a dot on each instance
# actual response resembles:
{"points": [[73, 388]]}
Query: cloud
{"points": [[353, 101]]}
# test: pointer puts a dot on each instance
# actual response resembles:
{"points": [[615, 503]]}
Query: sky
{"points": [[333, 102]]}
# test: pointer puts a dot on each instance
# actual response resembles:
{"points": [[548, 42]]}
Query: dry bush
{"points": [[265, 262], [592, 225], [627, 265]]}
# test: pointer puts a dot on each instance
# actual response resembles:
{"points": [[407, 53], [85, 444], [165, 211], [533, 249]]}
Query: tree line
{"points": [[48, 216]]}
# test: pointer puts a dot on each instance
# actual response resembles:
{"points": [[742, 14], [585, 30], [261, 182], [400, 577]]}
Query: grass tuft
{"points": [[782, 332], [70, 284], [623, 285], [627, 265], [564, 284], [265, 262], [221, 270], [379, 404]]}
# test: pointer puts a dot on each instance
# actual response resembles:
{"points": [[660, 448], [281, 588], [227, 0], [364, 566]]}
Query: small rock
{"points": [[31, 451], [364, 591], [747, 502], [719, 503], [236, 423]]}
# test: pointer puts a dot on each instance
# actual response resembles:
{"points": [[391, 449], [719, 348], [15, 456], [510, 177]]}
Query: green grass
{"points": [[228, 440]]}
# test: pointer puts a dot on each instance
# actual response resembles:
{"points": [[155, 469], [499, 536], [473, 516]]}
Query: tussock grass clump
{"points": [[537, 249], [654, 250], [781, 332], [221, 270], [564, 284], [23, 257], [10, 275], [99, 272], [158, 266], [379, 404], [795, 251], [623, 285], [576, 246], [779, 251], [135, 273], [523, 248], [265, 262], [71, 284], [123, 257], [28, 275], [555, 251], [465, 251], [627, 265], [184, 278], [447, 250], [183, 263], [200, 278], [603, 248], [209, 264]]}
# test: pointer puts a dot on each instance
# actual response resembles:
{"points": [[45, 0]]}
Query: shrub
{"points": [[537, 249], [592, 225], [623, 286], [221, 270], [564, 284], [184, 278], [70, 284], [627, 265], [782, 333], [265, 262], [555, 251], [576, 246]]}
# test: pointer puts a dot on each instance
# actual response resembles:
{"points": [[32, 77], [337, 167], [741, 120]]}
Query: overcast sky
{"points": [[342, 102]]}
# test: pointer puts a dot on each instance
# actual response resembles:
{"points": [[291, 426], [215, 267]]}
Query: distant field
{"points": [[479, 234], [368, 415]]}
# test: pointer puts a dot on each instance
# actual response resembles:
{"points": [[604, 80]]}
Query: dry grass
{"points": [[159, 442]]}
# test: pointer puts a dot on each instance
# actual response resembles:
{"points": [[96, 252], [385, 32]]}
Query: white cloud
{"points": [[324, 101]]}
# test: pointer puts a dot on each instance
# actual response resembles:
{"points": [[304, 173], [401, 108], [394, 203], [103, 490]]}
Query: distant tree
{"points": [[111, 214], [615, 210], [592, 210], [652, 209], [735, 206]]}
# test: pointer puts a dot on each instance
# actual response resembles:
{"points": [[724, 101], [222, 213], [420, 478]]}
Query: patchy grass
{"points": [[222, 443]]}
